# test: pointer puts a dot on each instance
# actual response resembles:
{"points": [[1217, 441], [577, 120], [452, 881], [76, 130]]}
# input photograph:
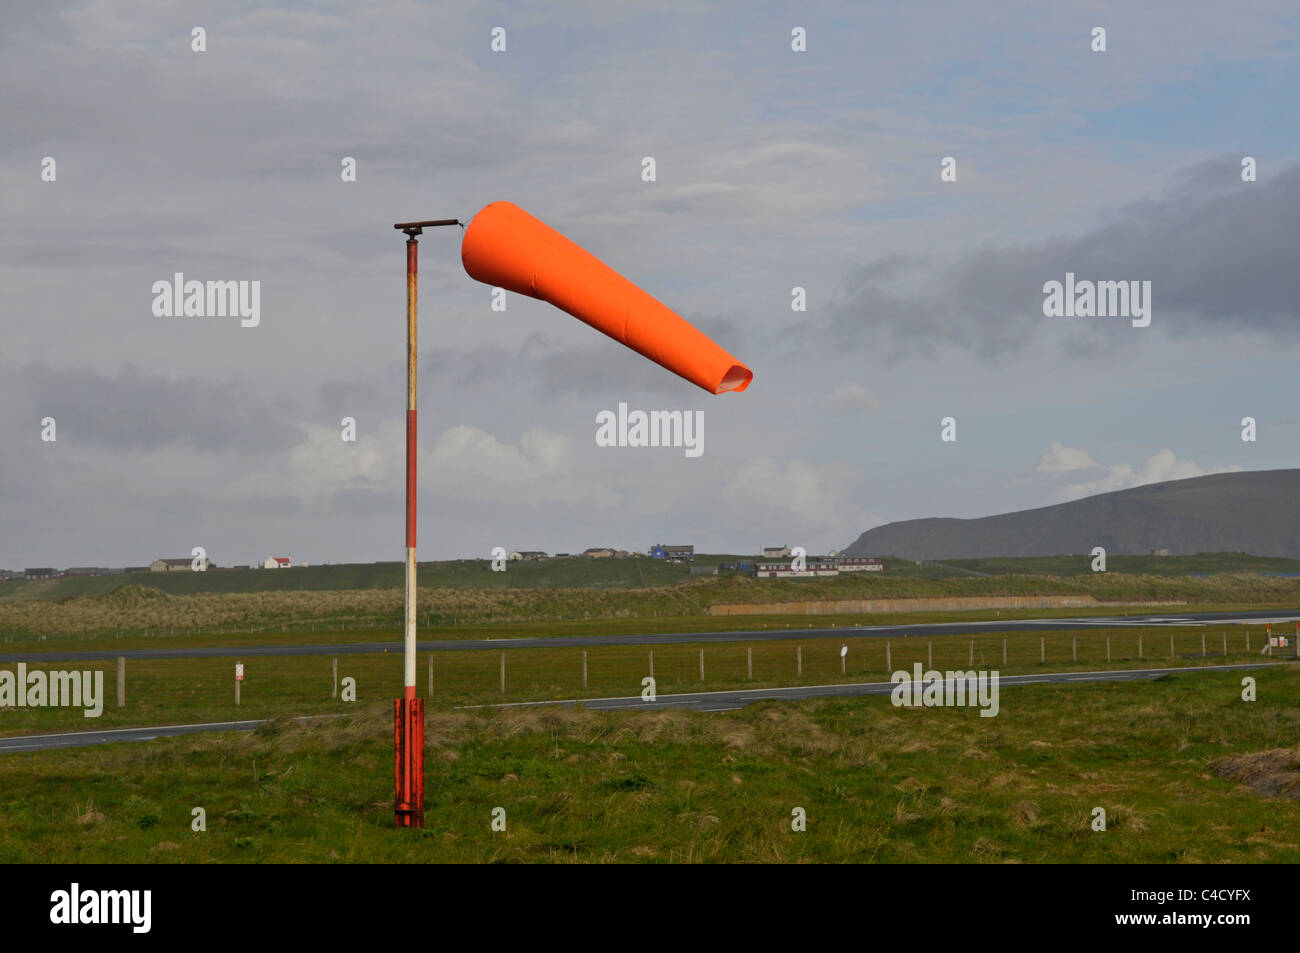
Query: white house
{"points": [[277, 562]]}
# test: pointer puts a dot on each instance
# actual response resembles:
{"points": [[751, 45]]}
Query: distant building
{"points": [[673, 554], [239, 567], [277, 562], [10, 574], [1159, 552], [599, 552], [41, 573], [827, 566], [527, 555], [852, 563], [775, 552], [623, 554], [176, 565], [87, 571]]}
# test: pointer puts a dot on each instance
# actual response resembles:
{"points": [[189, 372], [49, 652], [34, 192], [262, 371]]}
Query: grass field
{"points": [[581, 572], [200, 690], [130, 610], [1170, 762]]}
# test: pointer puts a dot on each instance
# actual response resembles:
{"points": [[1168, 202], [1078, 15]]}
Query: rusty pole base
{"points": [[408, 743]]}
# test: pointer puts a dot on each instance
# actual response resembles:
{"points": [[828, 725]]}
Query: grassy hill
{"points": [[1256, 511]]}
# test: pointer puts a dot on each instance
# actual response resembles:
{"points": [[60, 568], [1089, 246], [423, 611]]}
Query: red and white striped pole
{"points": [[408, 711]]}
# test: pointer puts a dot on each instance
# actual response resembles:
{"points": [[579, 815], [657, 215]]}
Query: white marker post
{"points": [[239, 678]]}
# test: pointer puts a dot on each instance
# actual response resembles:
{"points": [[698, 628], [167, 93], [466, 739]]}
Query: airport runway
{"points": [[727, 701], [694, 701], [1254, 617], [80, 739]]}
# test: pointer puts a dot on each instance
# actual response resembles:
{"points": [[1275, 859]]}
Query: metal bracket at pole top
{"points": [[417, 228]]}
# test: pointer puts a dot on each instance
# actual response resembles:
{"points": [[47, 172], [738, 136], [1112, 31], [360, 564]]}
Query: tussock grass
{"points": [[879, 784]]}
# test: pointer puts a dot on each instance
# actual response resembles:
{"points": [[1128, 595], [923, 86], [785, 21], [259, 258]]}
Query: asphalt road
{"points": [[693, 701], [80, 739], [727, 701], [1254, 617]]}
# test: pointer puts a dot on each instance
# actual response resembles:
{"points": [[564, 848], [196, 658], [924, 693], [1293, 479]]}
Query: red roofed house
{"points": [[277, 562]]}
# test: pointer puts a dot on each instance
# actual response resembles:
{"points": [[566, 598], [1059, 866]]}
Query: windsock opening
{"points": [[506, 247], [737, 378]]}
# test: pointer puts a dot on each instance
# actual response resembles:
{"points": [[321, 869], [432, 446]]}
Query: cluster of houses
{"points": [[183, 564], [831, 565], [673, 554]]}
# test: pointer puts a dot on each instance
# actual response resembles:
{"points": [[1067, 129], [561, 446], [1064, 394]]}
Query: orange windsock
{"points": [[506, 247]]}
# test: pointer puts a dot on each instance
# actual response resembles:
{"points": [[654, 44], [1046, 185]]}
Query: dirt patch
{"points": [[1273, 773]]}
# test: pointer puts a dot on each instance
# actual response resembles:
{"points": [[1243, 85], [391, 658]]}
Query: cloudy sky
{"points": [[774, 169]]}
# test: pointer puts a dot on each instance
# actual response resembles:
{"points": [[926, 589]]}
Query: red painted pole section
{"points": [[408, 711]]}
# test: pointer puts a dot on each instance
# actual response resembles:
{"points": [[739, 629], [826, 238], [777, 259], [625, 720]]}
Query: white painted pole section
{"points": [[410, 618]]}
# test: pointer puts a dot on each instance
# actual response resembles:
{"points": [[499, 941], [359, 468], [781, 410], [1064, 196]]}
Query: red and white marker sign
{"points": [[239, 671]]}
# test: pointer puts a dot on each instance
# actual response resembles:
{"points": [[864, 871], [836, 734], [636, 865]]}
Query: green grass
{"points": [[582, 572], [132, 609], [1081, 565], [181, 691], [878, 784]]}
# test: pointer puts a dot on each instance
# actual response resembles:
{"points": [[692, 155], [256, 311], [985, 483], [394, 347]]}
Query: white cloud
{"points": [[853, 396], [462, 463], [1059, 459], [819, 495], [1159, 467]]}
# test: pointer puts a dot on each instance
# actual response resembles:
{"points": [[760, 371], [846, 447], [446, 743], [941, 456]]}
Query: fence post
{"points": [[430, 674], [1247, 640], [1074, 647], [1225, 645], [749, 660], [929, 655], [701, 664], [584, 668], [889, 662], [503, 673], [1108, 648], [1139, 646], [1004, 652], [1042, 648], [1202, 645], [334, 692], [971, 663], [798, 660], [121, 680], [652, 663], [1171, 645]]}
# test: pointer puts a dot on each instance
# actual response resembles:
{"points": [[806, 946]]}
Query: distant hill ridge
{"points": [[1256, 512]]}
